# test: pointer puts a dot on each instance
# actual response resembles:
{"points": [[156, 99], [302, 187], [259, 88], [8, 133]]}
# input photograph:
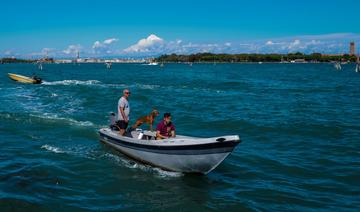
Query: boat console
{"points": [[143, 134]]}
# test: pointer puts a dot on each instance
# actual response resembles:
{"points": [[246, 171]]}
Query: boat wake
{"points": [[72, 82], [99, 83], [52, 149], [54, 117], [77, 150], [147, 86], [131, 86], [134, 165]]}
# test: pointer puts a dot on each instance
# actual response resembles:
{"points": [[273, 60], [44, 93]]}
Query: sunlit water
{"points": [[299, 125]]}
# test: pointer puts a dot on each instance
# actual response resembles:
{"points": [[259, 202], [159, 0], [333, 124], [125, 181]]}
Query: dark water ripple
{"points": [[299, 124]]}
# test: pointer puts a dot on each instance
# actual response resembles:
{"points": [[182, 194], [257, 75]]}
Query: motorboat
{"points": [[25, 79], [180, 154]]}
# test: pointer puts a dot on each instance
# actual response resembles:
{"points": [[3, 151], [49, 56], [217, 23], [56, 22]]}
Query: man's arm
{"points": [[173, 133], [123, 114], [158, 135]]}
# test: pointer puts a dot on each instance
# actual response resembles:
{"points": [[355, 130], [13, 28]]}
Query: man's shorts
{"points": [[122, 124]]}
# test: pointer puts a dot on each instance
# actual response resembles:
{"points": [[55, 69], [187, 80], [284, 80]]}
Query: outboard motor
{"points": [[113, 122]]}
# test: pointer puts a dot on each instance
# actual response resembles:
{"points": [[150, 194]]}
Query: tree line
{"points": [[238, 58], [18, 60]]}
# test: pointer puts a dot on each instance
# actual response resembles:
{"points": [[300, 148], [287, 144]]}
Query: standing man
{"points": [[123, 112]]}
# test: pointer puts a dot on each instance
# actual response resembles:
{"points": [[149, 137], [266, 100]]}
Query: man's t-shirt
{"points": [[165, 129], [123, 102]]}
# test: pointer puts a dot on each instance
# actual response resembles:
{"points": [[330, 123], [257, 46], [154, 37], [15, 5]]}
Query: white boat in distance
{"points": [[337, 66], [180, 154], [153, 64]]}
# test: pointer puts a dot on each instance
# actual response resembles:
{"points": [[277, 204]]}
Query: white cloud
{"points": [[49, 52], [97, 44], [269, 43], [44, 50], [154, 45], [103, 47], [8, 52], [72, 49], [43, 53], [293, 45], [110, 41], [150, 44]]}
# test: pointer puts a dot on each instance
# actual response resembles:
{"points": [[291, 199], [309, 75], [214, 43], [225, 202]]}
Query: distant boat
{"points": [[108, 65], [40, 66], [153, 64], [24, 79], [260, 62], [282, 59], [162, 65], [357, 69], [337, 66]]}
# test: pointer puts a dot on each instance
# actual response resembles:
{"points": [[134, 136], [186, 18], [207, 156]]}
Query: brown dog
{"points": [[146, 119]]}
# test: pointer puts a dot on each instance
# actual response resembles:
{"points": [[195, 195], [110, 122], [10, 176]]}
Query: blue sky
{"points": [[143, 28]]}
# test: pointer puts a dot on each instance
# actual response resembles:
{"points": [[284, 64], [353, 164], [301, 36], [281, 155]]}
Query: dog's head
{"points": [[155, 112]]}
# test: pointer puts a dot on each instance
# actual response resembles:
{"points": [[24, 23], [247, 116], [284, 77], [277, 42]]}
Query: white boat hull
{"points": [[182, 154]]}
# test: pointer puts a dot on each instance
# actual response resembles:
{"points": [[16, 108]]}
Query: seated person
{"points": [[165, 129], [36, 78]]}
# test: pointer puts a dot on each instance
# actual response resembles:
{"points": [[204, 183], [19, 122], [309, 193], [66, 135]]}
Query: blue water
{"points": [[299, 125]]}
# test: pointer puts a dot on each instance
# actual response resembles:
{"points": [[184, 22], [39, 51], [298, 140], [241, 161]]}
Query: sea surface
{"points": [[299, 125]]}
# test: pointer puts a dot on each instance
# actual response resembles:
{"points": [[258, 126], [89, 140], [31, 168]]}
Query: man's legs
{"points": [[122, 125]]}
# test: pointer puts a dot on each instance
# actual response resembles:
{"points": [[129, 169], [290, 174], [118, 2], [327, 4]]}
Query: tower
{"points": [[352, 48]]}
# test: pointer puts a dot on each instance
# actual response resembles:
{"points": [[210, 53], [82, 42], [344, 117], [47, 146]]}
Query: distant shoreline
{"points": [[206, 58]]}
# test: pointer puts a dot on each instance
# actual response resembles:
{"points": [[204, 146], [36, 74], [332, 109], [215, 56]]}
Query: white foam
{"points": [[72, 82], [141, 86], [69, 120], [78, 151], [134, 165], [52, 148], [5, 115], [165, 174], [26, 96], [147, 87]]}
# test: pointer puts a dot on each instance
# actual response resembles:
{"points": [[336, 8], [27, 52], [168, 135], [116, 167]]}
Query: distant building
{"points": [[298, 61], [338, 55], [352, 48]]}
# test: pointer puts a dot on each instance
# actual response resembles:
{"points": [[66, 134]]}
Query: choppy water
{"points": [[299, 124]]}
